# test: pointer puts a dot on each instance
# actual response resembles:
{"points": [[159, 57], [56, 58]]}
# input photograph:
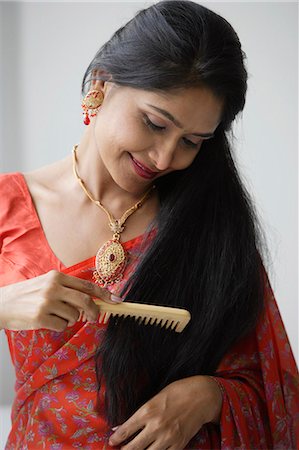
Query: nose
{"points": [[163, 154]]}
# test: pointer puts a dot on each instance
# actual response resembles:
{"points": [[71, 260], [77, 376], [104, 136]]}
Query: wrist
{"points": [[210, 398], [206, 394], [216, 400]]}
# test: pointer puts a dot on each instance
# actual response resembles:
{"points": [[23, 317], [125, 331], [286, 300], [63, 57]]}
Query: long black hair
{"points": [[206, 255]]}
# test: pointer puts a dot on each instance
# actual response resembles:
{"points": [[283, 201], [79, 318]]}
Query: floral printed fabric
{"points": [[56, 388]]}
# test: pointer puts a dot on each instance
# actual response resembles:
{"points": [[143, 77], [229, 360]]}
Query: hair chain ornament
{"points": [[111, 258]]}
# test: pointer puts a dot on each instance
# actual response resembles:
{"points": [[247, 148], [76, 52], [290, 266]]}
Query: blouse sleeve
{"points": [[20, 244], [259, 382]]}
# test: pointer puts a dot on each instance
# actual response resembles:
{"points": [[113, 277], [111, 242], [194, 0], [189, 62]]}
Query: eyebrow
{"points": [[176, 122]]}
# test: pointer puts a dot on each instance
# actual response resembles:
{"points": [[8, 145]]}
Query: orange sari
{"points": [[56, 389]]}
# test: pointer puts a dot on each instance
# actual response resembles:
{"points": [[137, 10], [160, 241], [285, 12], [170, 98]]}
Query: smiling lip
{"points": [[142, 170]]}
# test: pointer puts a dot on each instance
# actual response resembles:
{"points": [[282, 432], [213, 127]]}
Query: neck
{"points": [[100, 184]]}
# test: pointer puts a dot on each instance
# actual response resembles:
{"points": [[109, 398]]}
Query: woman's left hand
{"points": [[173, 417]]}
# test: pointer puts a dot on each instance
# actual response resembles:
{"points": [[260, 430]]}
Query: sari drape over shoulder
{"points": [[56, 388]]}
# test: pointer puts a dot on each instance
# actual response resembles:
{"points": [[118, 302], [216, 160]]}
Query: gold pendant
{"points": [[110, 262]]}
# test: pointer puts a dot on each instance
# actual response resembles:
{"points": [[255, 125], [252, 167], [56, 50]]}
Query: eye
{"points": [[155, 127], [190, 143], [151, 125]]}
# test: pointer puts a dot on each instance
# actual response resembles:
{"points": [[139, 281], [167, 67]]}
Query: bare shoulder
{"points": [[46, 181]]}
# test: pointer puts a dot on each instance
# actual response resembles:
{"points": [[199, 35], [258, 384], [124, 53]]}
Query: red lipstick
{"points": [[142, 170]]}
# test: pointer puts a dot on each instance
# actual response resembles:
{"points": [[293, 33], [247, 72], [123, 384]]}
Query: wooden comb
{"points": [[172, 318]]}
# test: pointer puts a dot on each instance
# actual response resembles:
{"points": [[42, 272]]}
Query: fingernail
{"points": [[116, 299], [114, 428]]}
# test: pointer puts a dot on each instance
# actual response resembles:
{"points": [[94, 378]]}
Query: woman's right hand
{"points": [[53, 300]]}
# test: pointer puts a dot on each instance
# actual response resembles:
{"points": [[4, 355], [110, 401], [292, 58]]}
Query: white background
{"points": [[45, 49]]}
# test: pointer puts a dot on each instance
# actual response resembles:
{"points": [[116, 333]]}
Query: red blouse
{"points": [[56, 389]]}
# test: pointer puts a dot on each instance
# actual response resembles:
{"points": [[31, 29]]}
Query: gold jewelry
{"points": [[92, 101], [111, 258]]}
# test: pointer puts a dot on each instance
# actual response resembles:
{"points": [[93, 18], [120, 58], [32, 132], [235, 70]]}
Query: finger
{"points": [[52, 322], [125, 431], [173, 447], [64, 311], [159, 445], [86, 286], [141, 441], [78, 300], [89, 288], [162, 444]]}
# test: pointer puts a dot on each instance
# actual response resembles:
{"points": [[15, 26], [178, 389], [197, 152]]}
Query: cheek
{"points": [[133, 136], [122, 135]]}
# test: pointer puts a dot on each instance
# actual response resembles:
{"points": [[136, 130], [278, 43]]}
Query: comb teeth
{"points": [[163, 316], [153, 321]]}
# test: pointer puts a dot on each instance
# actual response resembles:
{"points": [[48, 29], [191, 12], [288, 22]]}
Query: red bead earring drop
{"points": [[91, 104]]}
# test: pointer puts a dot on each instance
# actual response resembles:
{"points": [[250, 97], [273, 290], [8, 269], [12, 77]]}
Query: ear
{"points": [[97, 83]]}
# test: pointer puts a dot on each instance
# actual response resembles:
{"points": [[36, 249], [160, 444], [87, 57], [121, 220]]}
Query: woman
{"points": [[159, 99]]}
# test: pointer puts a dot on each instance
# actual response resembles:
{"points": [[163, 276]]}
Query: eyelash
{"points": [[154, 127]]}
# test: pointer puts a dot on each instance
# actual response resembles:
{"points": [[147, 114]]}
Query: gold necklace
{"points": [[111, 258]]}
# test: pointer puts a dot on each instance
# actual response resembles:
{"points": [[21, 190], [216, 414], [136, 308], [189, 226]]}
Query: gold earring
{"points": [[92, 101]]}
